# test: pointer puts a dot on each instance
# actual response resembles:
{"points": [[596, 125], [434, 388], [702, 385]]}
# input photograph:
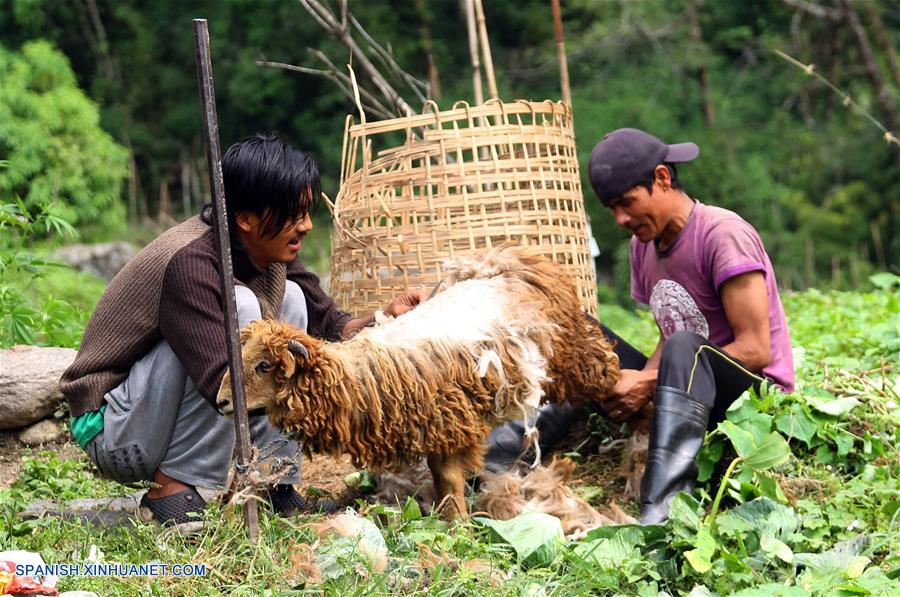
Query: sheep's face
{"points": [[271, 352]]}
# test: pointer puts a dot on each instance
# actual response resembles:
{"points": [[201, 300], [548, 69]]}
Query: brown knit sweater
{"points": [[171, 290]]}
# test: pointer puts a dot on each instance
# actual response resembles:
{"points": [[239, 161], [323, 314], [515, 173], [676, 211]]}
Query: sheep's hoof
{"points": [[448, 509]]}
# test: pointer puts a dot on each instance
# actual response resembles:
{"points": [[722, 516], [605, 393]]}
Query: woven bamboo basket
{"points": [[419, 189]]}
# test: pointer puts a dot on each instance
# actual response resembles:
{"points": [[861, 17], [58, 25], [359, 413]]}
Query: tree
{"points": [[52, 143]]}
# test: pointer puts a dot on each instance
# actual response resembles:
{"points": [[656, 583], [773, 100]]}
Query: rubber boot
{"points": [[506, 444], [676, 436]]}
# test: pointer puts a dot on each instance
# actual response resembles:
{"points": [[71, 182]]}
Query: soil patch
{"points": [[600, 471], [12, 451]]}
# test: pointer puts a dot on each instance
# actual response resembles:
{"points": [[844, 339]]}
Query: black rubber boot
{"points": [[506, 444], [676, 436]]}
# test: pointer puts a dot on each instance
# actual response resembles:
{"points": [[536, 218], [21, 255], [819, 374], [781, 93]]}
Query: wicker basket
{"points": [[419, 189]]}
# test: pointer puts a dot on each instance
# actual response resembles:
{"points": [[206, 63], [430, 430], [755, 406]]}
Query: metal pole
{"points": [[216, 184], [561, 51]]}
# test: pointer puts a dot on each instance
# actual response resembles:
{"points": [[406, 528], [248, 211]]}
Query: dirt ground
{"points": [[603, 474], [12, 451], [322, 472], [325, 473]]}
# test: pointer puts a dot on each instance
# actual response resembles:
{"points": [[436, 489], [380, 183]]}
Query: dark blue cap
{"points": [[626, 157]]}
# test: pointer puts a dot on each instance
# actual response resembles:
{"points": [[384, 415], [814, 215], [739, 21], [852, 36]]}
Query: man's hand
{"points": [[634, 390], [406, 302]]}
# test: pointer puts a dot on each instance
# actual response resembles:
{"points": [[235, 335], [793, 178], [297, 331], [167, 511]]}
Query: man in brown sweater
{"points": [[142, 388]]}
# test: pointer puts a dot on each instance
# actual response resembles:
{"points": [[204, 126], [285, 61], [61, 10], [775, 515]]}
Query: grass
{"points": [[820, 517]]}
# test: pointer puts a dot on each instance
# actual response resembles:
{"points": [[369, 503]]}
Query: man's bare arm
{"points": [[746, 306]]}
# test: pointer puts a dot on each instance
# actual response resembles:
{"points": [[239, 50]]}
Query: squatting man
{"points": [[143, 386], [706, 276]]}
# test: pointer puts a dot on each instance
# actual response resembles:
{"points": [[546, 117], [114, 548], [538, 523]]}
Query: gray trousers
{"points": [[157, 420]]}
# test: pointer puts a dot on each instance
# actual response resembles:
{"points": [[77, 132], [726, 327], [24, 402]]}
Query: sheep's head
{"points": [[272, 353]]}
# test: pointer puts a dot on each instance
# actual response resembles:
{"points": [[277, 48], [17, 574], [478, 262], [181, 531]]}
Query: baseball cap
{"points": [[626, 157]]}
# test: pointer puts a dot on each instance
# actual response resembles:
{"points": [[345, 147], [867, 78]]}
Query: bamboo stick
{"points": [[486, 50], [473, 52], [561, 51]]}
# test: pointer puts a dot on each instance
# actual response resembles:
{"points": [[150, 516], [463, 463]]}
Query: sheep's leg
{"points": [[450, 473], [449, 484]]}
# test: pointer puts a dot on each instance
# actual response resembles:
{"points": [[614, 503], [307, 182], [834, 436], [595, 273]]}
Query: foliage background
{"points": [[815, 177]]}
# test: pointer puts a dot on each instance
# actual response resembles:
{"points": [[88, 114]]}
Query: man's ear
{"points": [[246, 220], [662, 177]]}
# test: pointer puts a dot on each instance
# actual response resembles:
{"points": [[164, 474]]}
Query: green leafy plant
{"points": [[52, 142], [28, 313]]}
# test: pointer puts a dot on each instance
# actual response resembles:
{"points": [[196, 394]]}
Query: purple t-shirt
{"points": [[682, 284]]}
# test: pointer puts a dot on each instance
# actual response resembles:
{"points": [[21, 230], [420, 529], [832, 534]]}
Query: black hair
{"points": [[673, 178], [266, 176]]}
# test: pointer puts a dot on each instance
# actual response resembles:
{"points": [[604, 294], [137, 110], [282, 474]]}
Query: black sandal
{"points": [[178, 508], [288, 502]]}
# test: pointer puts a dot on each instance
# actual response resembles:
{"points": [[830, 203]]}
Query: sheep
{"points": [[505, 332]]}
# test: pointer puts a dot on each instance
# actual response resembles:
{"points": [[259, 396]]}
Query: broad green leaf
{"points": [[773, 590], [771, 452], [685, 510], [770, 488], [759, 425], [700, 558], [536, 537], [844, 443], [765, 516], [838, 407], [411, 510], [797, 424], [741, 409], [743, 441], [728, 524], [776, 548], [614, 552], [875, 582], [651, 533], [884, 280], [831, 562], [709, 455]]}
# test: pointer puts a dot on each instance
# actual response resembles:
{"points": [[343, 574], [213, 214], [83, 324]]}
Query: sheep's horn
{"points": [[297, 348]]}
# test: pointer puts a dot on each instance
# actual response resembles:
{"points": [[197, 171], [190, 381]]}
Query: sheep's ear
{"points": [[298, 349]]}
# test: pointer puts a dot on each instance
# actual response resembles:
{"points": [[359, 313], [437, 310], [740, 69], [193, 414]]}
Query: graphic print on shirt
{"points": [[675, 310]]}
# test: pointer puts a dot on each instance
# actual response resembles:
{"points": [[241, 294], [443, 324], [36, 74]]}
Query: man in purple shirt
{"points": [[710, 285], [709, 282]]}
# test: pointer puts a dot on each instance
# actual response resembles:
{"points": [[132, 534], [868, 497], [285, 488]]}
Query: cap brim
{"points": [[682, 152]]}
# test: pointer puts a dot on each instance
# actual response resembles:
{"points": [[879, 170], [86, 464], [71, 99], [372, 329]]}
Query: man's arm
{"points": [[635, 387], [746, 305]]}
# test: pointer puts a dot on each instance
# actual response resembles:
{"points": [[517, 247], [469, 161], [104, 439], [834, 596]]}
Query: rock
{"points": [[44, 432], [29, 383], [101, 259]]}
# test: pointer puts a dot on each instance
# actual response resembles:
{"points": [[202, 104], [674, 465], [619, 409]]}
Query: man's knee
{"points": [[682, 344], [125, 464], [293, 307], [247, 305]]}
